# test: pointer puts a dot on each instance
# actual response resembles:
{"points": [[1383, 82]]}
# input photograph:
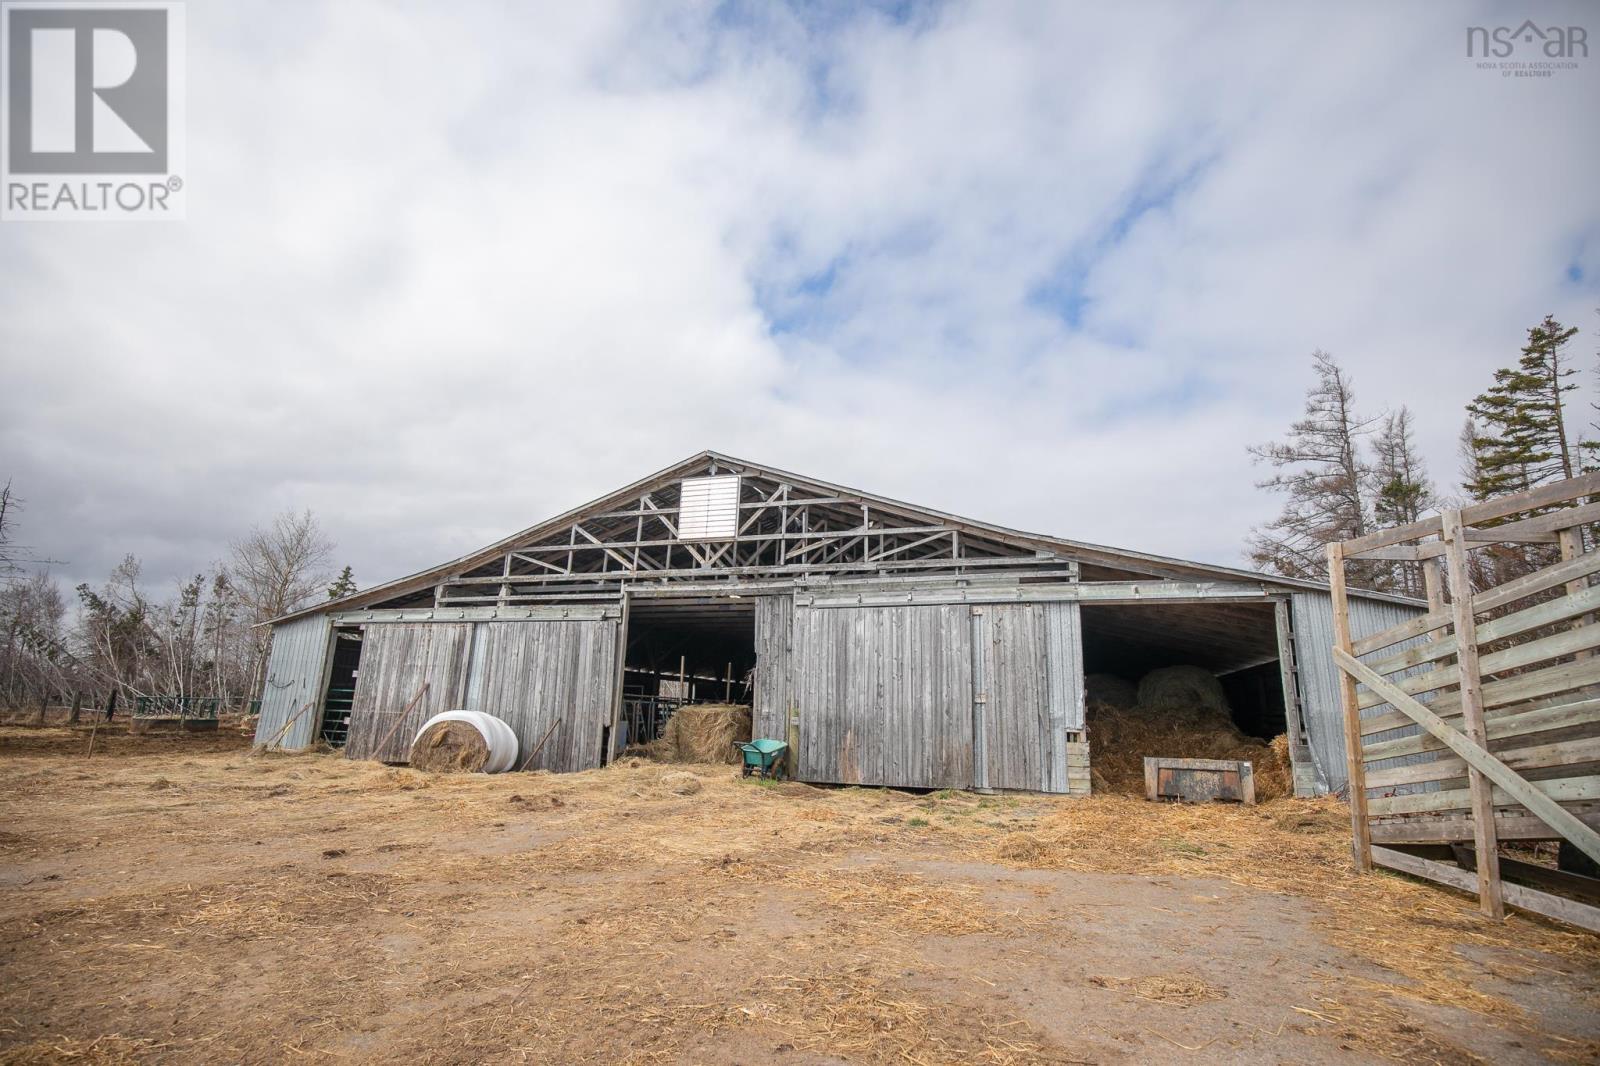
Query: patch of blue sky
{"points": [[1065, 292]]}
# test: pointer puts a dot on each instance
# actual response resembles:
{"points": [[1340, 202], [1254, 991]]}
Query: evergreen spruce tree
{"points": [[1325, 480], [1403, 491], [1521, 419], [343, 585]]}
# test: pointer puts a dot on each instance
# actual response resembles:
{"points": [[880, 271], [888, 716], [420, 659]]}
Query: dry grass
{"points": [[604, 917], [1164, 988], [1300, 848]]}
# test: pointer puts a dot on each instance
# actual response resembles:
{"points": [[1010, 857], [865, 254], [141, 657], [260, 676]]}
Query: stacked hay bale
{"points": [[1178, 712], [702, 732]]}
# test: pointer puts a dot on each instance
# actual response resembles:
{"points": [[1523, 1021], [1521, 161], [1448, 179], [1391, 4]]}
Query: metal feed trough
{"points": [[762, 756]]}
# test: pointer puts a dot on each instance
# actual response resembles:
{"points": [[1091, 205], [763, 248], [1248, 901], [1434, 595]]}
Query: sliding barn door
{"points": [[885, 695], [551, 681], [774, 637], [937, 696], [397, 660], [1028, 693]]}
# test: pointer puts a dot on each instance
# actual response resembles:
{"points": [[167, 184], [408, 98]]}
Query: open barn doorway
{"points": [[688, 652], [1189, 680], [337, 697]]}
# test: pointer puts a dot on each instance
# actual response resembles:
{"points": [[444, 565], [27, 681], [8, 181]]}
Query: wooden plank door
{"points": [[884, 695], [552, 677], [1028, 693], [397, 659]]}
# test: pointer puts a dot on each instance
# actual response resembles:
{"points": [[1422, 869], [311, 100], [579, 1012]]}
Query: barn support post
{"points": [[617, 682], [1360, 830], [980, 701], [1302, 767], [792, 736], [1490, 899]]}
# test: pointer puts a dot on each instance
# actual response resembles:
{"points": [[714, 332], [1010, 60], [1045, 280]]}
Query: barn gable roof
{"points": [[1124, 561]]}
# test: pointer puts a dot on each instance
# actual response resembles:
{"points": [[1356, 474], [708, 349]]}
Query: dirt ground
{"points": [[179, 899]]}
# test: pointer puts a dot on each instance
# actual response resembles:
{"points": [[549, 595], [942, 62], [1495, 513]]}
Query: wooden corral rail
{"points": [[1483, 715]]}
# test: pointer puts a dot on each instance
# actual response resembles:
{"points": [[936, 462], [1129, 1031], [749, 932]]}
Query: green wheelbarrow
{"points": [[762, 756]]}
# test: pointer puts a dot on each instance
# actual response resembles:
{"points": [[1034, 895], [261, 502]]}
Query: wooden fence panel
{"points": [[1509, 746]]}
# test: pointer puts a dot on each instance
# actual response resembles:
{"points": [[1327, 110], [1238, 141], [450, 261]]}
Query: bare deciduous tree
{"points": [[276, 569], [32, 614]]}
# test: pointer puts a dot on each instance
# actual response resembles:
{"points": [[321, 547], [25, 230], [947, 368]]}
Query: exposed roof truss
{"points": [[783, 529], [789, 529]]}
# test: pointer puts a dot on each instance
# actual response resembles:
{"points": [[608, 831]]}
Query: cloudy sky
{"points": [[450, 269]]}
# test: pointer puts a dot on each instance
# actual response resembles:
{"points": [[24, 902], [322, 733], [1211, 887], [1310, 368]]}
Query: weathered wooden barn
{"points": [[891, 644]]}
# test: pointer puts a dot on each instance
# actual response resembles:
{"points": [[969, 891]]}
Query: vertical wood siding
{"points": [[396, 660], [1063, 670], [1034, 673], [1319, 677], [1016, 713], [889, 695], [294, 678], [533, 674], [885, 695], [774, 628]]}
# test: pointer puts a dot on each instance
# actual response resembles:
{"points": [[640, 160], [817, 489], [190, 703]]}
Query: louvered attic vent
{"points": [[708, 508]]}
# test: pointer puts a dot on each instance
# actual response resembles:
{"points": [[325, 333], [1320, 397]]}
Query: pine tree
{"points": [[1321, 471], [343, 585], [1521, 419], [1403, 491]]}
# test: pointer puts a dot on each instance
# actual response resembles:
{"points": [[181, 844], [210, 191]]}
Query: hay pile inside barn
{"points": [[1177, 712], [450, 748], [701, 732]]}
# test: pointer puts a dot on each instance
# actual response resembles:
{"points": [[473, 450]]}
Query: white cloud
{"points": [[451, 270]]}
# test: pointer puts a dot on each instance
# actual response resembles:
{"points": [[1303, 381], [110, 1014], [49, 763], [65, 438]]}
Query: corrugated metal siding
{"points": [[885, 695], [294, 677], [535, 674], [774, 624], [396, 660], [1319, 677]]}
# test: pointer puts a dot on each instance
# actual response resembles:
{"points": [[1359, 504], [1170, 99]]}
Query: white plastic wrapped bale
{"points": [[464, 741]]}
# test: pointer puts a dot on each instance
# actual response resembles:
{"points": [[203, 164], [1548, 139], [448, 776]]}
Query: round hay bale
{"points": [[1182, 688], [680, 781], [451, 747], [1111, 690]]}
